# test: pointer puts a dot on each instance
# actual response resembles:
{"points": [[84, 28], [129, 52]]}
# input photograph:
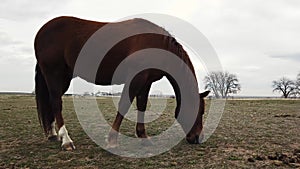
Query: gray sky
{"points": [[258, 40]]}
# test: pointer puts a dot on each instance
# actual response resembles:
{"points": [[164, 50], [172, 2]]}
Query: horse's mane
{"points": [[171, 43], [177, 48]]}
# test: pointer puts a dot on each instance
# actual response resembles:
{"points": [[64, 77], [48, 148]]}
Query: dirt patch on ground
{"points": [[287, 115], [280, 159]]}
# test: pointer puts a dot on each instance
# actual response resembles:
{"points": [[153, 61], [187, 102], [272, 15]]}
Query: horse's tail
{"points": [[42, 100]]}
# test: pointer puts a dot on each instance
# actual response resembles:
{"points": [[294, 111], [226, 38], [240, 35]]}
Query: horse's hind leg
{"points": [[52, 133], [46, 117], [58, 83]]}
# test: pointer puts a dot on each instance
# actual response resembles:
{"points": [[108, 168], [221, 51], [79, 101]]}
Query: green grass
{"points": [[247, 129]]}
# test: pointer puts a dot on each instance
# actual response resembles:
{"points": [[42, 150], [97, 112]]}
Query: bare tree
{"points": [[284, 86], [297, 86], [222, 83]]}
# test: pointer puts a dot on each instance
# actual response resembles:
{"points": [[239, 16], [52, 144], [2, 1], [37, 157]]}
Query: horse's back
{"points": [[59, 42], [65, 35], [56, 36]]}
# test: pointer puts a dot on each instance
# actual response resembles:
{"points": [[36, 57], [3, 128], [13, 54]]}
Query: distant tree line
{"points": [[222, 84], [287, 87], [97, 94], [102, 94]]}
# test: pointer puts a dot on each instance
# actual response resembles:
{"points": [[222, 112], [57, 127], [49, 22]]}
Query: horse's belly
{"points": [[106, 77]]}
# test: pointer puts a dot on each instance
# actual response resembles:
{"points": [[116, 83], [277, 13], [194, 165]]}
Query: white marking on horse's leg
{"points": [[67, 142], [52, 133]]}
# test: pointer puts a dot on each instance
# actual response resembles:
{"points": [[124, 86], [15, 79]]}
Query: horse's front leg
{"points": [[141, 131], [140, 125], [114, 132], [141, 102], [124, 105]]}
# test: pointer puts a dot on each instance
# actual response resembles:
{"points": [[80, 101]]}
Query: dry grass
{"points": [[251, 134]]}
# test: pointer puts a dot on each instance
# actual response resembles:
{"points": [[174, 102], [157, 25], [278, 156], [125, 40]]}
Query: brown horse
{"points": [[57, 47]]}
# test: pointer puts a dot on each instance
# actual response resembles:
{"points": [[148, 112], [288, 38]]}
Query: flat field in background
{"points": [[251, 134]]}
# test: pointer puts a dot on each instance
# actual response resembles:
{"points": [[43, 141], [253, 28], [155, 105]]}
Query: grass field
{"points": [[251, 134]]}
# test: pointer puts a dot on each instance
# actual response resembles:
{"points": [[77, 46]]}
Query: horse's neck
{"points": [[188, 89]]}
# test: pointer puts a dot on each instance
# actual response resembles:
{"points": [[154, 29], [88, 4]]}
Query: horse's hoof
{"points": [[112, 140], [146, 142], [53, 138], [68, 146], [112, 146]]}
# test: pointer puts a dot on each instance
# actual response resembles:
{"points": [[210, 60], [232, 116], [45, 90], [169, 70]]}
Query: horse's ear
{"points": [[204, 94]]}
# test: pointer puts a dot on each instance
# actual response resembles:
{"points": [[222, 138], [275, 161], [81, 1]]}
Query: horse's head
{"points": [[193, 137]]}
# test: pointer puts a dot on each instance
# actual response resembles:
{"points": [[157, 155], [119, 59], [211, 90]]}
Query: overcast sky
{"points": [[258, 40]]}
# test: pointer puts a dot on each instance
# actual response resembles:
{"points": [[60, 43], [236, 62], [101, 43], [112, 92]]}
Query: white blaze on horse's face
{"points": [[65, 138]]}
